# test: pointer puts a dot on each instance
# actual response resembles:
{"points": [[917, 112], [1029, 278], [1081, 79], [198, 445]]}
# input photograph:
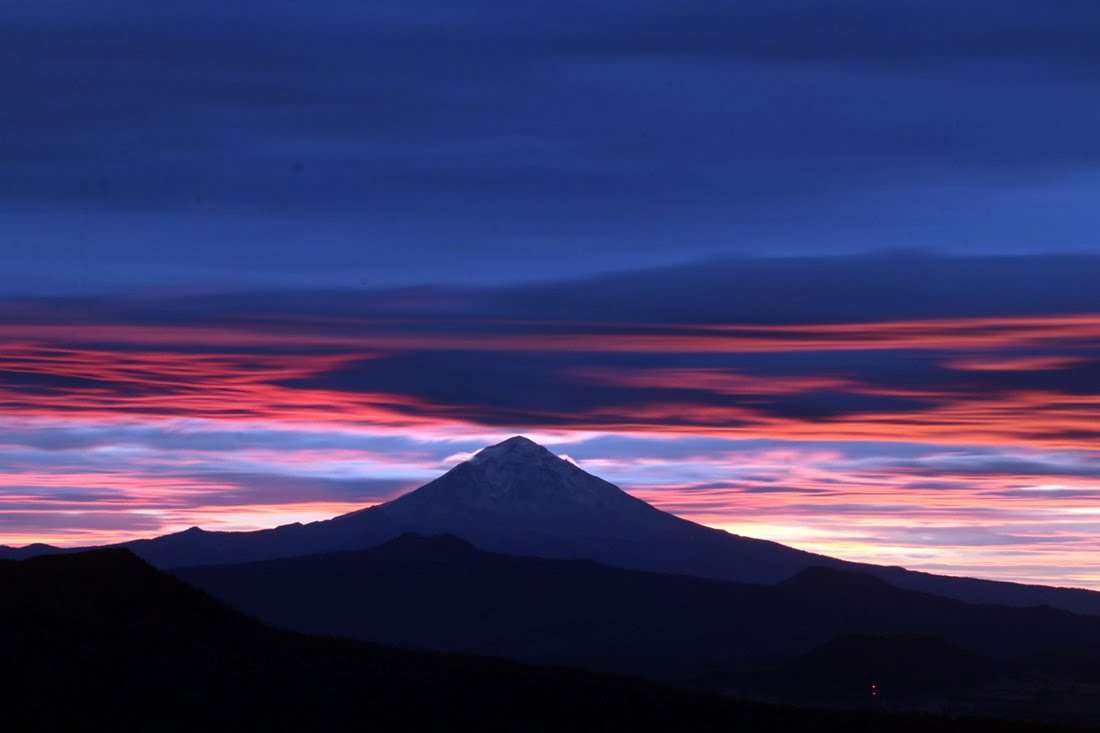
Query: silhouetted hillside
{"points": [[101, 641], [443, 593]]}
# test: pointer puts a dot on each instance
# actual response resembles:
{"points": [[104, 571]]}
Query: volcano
{"points": [[519, 498]]}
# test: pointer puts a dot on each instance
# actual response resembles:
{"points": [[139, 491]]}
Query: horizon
{"points": [[454, 460], [817, 273], [463, 458]]}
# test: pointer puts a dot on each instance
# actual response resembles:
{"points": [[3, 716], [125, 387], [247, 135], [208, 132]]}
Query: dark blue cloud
{"points": [[542, 389], [760, 290], [489, 379], [818, 290], [251, 489], [40, 383], [214, 145]]}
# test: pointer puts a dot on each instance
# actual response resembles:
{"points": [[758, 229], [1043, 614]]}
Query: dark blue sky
{"points": [[223, 145]]}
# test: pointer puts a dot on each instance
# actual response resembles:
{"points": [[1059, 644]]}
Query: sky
{"points": [[820, 272]]}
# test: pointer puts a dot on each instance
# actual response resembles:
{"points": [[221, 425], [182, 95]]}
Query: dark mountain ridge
{"points": [[101, 641], [823, 636], [443, 593]]}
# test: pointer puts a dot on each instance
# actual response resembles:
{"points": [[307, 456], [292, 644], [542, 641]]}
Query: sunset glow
{"points": [[978, 457]]}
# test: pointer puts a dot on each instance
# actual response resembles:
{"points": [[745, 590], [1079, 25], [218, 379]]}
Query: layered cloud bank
{"points": [[280, 143], [936, 412]]}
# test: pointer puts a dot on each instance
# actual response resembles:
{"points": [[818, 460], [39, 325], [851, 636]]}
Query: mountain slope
{"points": [[517, 497], [520, 498], [101, 641], [513, 497], [443, 593]]}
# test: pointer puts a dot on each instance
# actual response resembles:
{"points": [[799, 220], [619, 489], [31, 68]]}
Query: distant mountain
{"points": [[443, 593], [101, 641], [28, 551], [517, 497]]}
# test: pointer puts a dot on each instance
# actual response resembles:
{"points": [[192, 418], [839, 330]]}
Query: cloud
{"points": [[258, 489], [340, 143], [924, 427], [598, 354], [884, 286]]}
